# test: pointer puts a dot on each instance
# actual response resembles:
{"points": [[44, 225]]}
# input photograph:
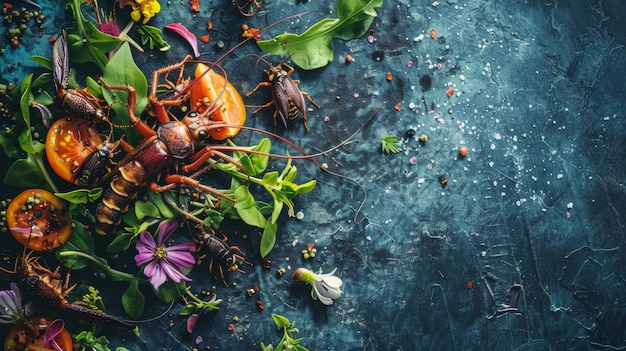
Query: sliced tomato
{"points": [[70, 140], [39, 220], [231, 108], [31, 337]]}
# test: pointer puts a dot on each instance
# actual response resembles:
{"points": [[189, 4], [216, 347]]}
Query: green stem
{"points": [[110, 272], [81, 28], [45, 173], [124, 36]]}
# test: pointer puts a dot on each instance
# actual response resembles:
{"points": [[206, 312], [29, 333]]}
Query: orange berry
{"points": [[463, 151], [349, 58]]}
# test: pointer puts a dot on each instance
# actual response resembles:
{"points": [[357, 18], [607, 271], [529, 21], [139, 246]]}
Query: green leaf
{"points": [[81, 196], [42, 60], [7, 141], [278, 205], [122, 71], [165, 210], [280, 321], [390, 144], [24, 173], [270, 178], [243, 197], [169, 291], [85, 42], [268, 239], [152, 36], [254, 164], [133, 300], [121, 243], [146, 209], [43, 80], [314, 48], [303, 188], [80, 240]]}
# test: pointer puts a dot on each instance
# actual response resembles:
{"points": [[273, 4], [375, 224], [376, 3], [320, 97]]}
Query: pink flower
{"points": [[110, 28], [162, 262]]}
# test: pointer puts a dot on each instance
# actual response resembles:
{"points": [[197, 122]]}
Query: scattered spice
{"points": [[463, 151], [423, 138], [309, 252], [209, 25], [260, 305], [195, 5], [389, 76], [433, 34], [443, 181], [205, 38], [410, 133], [449, 92], [469, 284], [349, 58], [398, 107], [250, 32]]}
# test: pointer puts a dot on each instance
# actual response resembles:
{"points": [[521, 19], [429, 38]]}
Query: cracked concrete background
{"points": [[520, 249]]}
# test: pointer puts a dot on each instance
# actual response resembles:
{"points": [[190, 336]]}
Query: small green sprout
{"points": [[287, 342], [390, 144], [94, 300]]}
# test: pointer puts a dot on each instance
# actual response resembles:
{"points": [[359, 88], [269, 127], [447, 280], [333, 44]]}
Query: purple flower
{"points": [[11, 309], [161, 261]]}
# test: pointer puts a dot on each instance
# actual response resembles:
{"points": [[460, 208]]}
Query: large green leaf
{"points": [[121, 71], [314, 48]]}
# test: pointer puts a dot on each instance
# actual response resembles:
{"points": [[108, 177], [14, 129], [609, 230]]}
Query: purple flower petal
{"points": [[174, 274], [191, 322], [146, 240], [180, 260], [165, 231], [156, 275], [141, 259], [54, 329], [186, 34]]}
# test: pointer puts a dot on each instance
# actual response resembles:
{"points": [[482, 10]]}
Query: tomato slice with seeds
{"points": [[39, 220], [31, 336], [70, 140], [231, 108]]}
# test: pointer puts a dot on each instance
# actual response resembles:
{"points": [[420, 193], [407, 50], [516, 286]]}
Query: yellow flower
{"points": [[147, 8]]}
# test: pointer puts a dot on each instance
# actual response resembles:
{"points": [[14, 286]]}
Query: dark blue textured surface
{"points": [[539, 92]]}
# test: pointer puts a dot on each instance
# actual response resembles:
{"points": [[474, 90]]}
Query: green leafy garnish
{"points": [[18, 142], [287, 342], [88, 342], [152, 36], [94, 300], [390, 144], [122, 71], [281, 188], [85, 42], [314, 48]]}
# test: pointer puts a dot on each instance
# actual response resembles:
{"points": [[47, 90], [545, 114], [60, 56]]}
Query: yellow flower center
{"points": [[160, 252]]}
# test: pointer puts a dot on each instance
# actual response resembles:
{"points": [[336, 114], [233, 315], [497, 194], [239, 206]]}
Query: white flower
{"points": [[325, 287]]}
